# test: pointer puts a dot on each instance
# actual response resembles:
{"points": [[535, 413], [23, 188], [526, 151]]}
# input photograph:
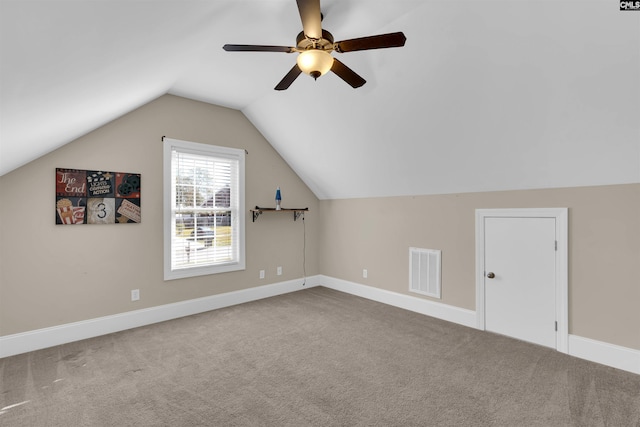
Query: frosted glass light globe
{"points": [[315, 62]]}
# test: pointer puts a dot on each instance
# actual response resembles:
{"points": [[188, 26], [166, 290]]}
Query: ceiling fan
{"points": [[314, 45]]}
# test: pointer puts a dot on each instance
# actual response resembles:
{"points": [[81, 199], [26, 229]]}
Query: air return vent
{"points": [[424, 271]]}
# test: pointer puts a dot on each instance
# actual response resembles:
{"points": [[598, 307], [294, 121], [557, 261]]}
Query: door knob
{"points": [[490, 275]]}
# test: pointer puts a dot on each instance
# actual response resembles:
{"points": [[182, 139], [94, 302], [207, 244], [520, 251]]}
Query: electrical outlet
{"points": [[279, 271], [262, 274], [365, 273], [135, 294]]}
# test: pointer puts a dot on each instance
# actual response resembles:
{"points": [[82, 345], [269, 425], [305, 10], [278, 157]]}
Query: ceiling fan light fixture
{"points": [[315, 62], [314, 46]]}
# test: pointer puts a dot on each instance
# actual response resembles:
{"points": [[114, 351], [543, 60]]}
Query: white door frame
{"points": [[561, 216]]}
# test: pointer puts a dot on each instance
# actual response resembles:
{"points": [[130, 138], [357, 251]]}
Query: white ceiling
{"points": [[486, 94]]}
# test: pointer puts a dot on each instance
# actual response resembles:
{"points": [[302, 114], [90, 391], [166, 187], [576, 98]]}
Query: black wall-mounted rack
{"points": [[297, 213]]}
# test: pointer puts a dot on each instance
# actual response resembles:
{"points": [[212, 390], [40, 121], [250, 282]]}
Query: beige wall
{"points": [[52, 275], [604, 248]]}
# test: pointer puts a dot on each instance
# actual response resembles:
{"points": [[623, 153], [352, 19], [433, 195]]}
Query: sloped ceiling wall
{"points": [[486, 95]]}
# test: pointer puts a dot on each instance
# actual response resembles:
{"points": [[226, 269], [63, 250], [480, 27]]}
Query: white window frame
{"points": [[238, 218]]}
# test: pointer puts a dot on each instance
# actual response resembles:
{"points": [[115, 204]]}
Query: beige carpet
{"points": [[312, 358]]}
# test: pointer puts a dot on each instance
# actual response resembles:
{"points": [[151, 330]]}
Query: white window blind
{"points": [[204, 216]]}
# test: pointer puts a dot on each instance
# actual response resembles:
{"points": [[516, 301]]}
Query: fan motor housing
{"points": [[305, 43]]}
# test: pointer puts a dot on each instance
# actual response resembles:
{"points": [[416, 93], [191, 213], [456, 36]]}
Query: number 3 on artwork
{"points": [[102, 210]]}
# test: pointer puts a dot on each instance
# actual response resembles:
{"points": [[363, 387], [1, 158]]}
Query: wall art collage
{"points": [[97, 197]]}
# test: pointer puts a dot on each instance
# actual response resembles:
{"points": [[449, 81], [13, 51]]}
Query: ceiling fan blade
{"points": [[347, 74], [372, 42], [256, 48], [289, 78], [311, 18]]}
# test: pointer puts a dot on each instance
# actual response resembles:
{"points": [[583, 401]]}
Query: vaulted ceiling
{"points": [[485, 95]]}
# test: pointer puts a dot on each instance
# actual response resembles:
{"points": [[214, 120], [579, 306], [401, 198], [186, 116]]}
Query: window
{"points": [[203, 209]]}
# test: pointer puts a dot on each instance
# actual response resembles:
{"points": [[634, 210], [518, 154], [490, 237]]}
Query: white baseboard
{"points": [[595, 351], [48, 337], [442, 311], [584, 348], [604, 353]]}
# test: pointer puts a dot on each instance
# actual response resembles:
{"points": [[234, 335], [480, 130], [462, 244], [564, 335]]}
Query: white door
{"points": [[519, 282]]}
